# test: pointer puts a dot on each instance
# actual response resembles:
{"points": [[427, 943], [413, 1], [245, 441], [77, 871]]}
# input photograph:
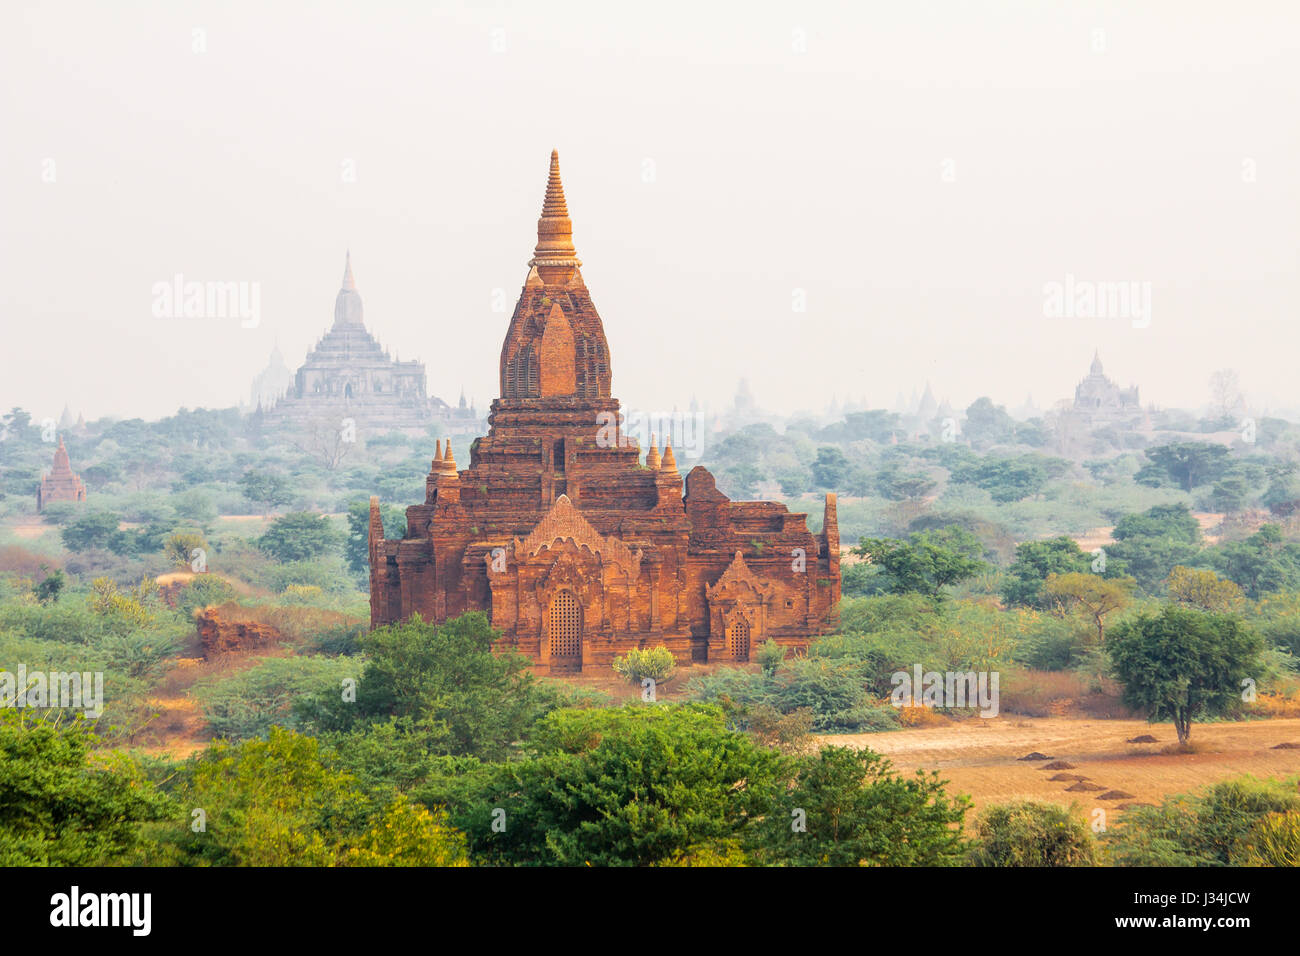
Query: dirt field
{"points": [[29, 528], [981, 757]]}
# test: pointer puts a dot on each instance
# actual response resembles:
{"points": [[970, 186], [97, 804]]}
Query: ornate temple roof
{"points": [[555, 346]]}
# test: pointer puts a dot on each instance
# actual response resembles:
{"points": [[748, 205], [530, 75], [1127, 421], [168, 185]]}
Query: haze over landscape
{"points": [[952, 519], [919, 177]]}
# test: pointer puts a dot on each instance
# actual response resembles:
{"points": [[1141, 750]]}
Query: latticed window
{"points": [[512, 377], [738, 639], [565, 626], [534, 375]]}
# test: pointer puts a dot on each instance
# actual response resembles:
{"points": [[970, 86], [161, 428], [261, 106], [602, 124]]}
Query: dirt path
{"points": [[980, 757]]}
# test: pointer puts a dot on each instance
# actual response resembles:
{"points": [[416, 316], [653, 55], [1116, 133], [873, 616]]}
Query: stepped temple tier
{"points": [[62, 483], [576, 549], [350, 376]]}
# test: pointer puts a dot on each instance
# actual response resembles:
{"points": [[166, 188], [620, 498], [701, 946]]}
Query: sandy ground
{"points": [[981, 757], [29, 528]]}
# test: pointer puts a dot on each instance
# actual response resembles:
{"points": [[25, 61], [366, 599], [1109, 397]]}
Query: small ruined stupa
{"points": [[62, 483]]}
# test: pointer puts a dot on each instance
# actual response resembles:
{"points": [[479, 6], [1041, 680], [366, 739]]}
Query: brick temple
{"points": [[576, 547], [62, 483]]}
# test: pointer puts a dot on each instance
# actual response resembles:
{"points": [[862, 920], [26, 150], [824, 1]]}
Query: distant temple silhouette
{"points": [[349, 375], [1099, 401]]}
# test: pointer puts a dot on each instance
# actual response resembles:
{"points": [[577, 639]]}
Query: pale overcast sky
{"points": [[914, 173]]}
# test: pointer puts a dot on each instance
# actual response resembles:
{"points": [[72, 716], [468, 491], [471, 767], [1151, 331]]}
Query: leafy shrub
{"points": [[859, 811], [179, 547], [1203, 829], [1273, 841], [1027, 833], [203, 591], [61, 807], [770, 657], [248, 704], [656, 663], [833, 691]]}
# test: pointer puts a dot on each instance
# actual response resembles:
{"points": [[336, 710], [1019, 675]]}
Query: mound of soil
{"points": [[1115, 795], [1055, 765], [1143, 739], [1287, 745], [1066, 776], [1084, 785], [1034, 756]]}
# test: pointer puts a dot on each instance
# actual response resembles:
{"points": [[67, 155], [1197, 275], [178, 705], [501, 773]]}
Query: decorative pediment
{"points": [[737, 579], [564, 522]]}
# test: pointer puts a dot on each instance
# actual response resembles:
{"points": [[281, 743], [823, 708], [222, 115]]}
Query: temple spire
{"points": [[554, 206], [554, 257], [347, 304], [652, 459], [349, 283], [669, 463]]}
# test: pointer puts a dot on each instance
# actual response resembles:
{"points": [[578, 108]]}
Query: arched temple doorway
{"points": [[564, 628], [738, 639]]}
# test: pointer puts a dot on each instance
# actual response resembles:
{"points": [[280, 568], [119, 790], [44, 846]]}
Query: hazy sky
{"points": [[919, 170]]}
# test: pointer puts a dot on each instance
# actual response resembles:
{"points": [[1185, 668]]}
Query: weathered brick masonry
{"points": [[576, 549]]}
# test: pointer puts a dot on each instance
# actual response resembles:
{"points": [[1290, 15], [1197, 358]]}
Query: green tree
{"points": [[180, 546], [1034, 561], [299, 536], [656, 663], [445, 684], [1203, 589], [742, 480], [249, 703], [58, 807], [194, 506], [1188, 464], [1230, 493], [280, 802], [93, 530], [269, 489], [988, 424], [831, 468], [920, 564], [877, 425], [1282, 497], [793, 481], [1027, 833], [849, 808], [1148, 545], [1183, 664], [356, 549], [1224, 824], [17, 425], [898, 485], [1006, 479], [1262, 564], [623, 787], [1096, 596], [51, 586]]}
